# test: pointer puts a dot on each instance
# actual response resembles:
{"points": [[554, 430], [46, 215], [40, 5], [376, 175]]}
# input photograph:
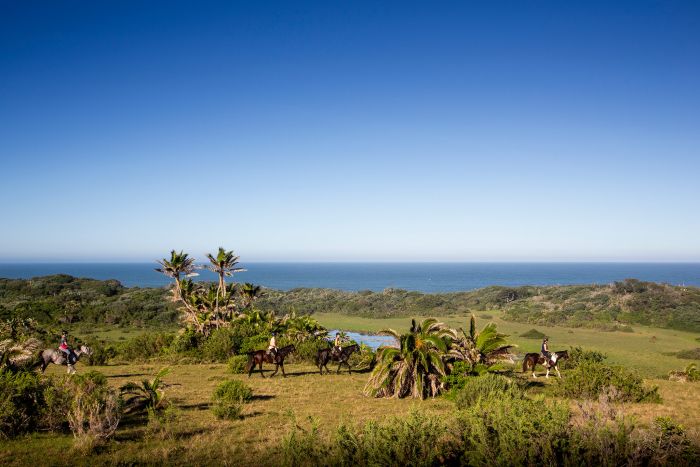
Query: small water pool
{"points": [[373, 341]]}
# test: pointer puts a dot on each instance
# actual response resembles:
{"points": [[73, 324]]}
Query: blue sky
{"points": [[333, 131]]}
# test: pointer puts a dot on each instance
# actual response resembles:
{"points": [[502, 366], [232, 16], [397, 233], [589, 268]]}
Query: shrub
{"points": [[306, 351], [100, 355], [691, 373], [95, 412], [145, 346], [237, 364], [532, 334], [221, 344], [417, 439], [589, 379], [57, 402], [473, 388], [486, 316], [578, 355], [21, 395], [505, 429], [229, 398], [185, 342], [253, 343], [690, 354]]}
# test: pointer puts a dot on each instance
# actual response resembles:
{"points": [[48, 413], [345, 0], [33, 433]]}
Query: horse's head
{"points": [[563, 354], [84, 349]]}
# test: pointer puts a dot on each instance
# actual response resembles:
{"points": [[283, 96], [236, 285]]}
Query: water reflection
{"points": [[371, 340]]}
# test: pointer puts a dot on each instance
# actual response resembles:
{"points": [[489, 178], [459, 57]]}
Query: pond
{"points": [[371, 340]]}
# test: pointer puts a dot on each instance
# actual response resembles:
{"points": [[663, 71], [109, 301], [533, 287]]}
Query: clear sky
{"points": [[433, 131]]}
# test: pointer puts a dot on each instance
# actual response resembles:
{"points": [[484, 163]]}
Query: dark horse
{"points": [[532, 359], [327, 355], [257, 357]]}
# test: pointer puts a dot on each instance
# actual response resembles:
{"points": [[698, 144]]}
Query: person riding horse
{"points": [[63, 347], [336, 345], [272, 348], [545, 350]]}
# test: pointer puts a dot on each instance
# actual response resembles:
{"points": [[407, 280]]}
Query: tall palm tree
{"points": [[224, 264], [179, 265], [415, 368], [480, 348]]}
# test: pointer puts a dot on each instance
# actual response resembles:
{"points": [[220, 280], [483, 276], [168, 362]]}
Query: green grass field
{"points": [[645, 349]]}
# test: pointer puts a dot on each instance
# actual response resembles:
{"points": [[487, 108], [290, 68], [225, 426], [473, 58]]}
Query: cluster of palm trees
{"points": [[427, 353], [208, 306]]}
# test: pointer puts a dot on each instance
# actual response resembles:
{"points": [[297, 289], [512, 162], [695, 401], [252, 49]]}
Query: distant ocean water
{"points": [[424, 277]]}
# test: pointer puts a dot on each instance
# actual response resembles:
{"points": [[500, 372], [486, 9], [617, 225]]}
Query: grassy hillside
{"points": [[617, 306]]}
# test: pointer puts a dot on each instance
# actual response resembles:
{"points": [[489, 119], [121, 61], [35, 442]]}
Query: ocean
{"points": [[424, 277]]}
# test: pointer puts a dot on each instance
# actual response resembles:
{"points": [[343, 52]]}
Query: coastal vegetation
{"points": [[66, 300]]}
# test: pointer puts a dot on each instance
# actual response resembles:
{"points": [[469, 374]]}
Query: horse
{"points": [[323, 356], [257, 357], [532, 359], [59, 358]]}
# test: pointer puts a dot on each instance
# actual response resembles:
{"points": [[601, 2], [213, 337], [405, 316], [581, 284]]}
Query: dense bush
{"points": [[532, 334], [307, 350], [186, 342], [237, 364], [471, 389], [417, 439], [590, 379], [95, 412], [21, 400], [229, 398], [253, 343], [221, 344], [145, 346], [507, 429], [578, 355], [100, 355]]}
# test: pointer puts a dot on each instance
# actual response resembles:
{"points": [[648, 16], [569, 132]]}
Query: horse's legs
{"points": [[283, 373], [277, 368], [557, 368], [261, 372], [547, 372]]}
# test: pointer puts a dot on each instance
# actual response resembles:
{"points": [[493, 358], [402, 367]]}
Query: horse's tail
{"points": [[525, 360]]}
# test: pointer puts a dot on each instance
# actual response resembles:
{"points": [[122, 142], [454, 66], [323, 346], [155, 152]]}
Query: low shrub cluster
{"points": [[501, 428], [578, 355], [690, 354], [229, 398], [237, 364], [532, 334], [470, 389], [590, 379]]}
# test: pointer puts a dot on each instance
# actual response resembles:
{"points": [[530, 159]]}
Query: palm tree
{"points": [[415, 368], [148, 394], [224, 264], [250, 293], [480, 348], [179, 264]]}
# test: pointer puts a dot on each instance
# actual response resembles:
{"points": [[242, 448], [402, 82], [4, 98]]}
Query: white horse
{"points": [[59, 358]]}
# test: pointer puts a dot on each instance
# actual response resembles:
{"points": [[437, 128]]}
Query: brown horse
{"points": [[532, 359], [257, 357], [327, 355]]}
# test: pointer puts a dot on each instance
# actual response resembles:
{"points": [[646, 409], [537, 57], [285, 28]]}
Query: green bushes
{"points": [[578, 355], [590, 379], [237, 364], [21, 399], [473, 388], [221, 344], [229, 398], [507, 429], [532, 334], [95, 412], [417, 439], [145, 346]]}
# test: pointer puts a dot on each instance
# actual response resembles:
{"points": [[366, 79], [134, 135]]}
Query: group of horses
{"points": [[323, 357]]}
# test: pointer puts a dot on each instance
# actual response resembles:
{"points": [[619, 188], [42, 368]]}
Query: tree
{"points": [[415, 368], [179, 265], [224, 264], [249, 293], [480, 349]]}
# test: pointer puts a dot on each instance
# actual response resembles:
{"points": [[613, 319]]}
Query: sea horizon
{"points": [[430, 277]]}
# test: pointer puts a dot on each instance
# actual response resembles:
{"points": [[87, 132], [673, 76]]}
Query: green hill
{"points": [[66, 299]]}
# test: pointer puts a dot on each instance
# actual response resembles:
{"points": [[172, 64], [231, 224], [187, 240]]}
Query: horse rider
{"points": [[272, 348], [63, 346], [337, 349], [545, 349]]}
